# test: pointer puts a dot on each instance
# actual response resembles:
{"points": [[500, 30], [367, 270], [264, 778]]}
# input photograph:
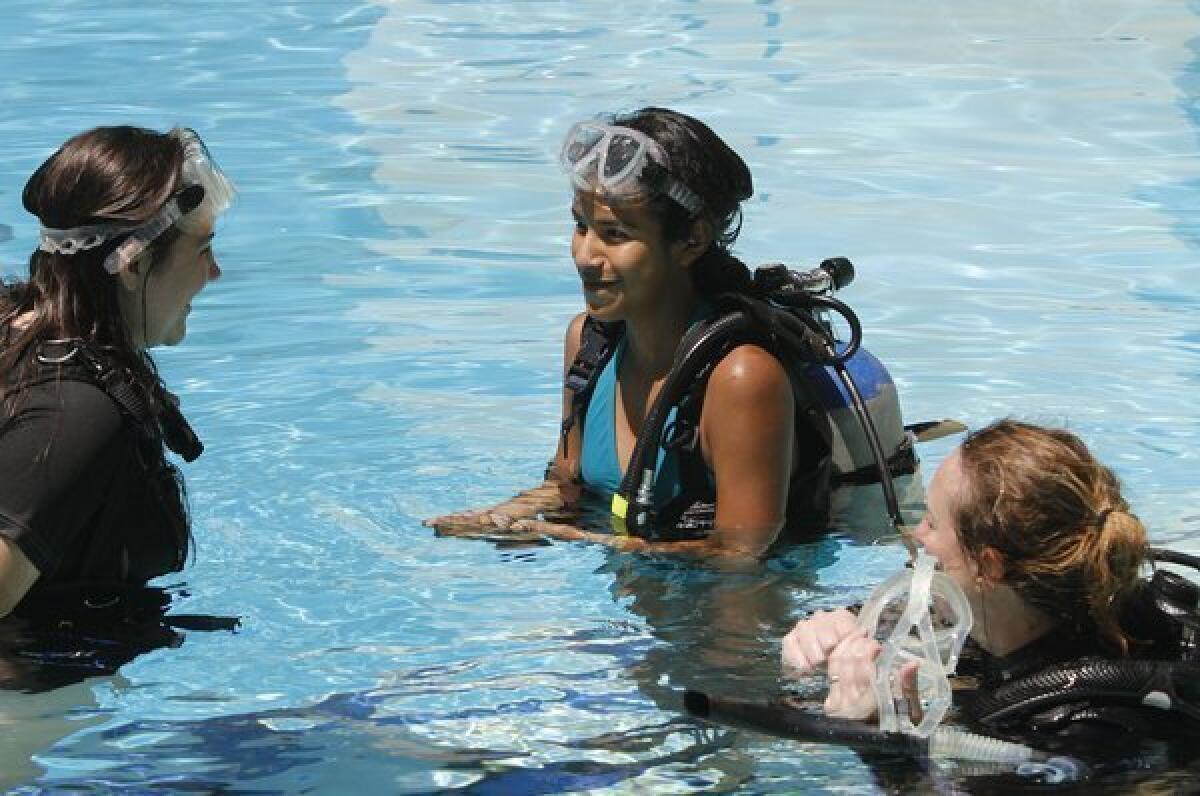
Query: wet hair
{"points": [[107, 174], [718, 175], [1070, 545]]}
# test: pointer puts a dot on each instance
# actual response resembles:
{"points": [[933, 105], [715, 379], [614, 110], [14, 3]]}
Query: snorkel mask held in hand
{"points": [[922, 618], [621, 164], [204, 187]]}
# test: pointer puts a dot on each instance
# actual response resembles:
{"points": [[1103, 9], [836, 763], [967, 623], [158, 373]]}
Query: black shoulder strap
{"points": [[597, 341], [75, 360]]}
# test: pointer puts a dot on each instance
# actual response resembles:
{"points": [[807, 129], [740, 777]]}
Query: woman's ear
{"points": [[991, 565], [131, 274], [698, 239]]}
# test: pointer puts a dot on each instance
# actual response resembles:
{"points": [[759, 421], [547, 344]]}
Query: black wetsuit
{"points": [[88, 497], [1116, 732], [74, 495]]}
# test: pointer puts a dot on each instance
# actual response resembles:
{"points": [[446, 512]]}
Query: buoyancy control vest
{"points": [[66, 631], [848, 424], [1162, 671], [150, 425]]}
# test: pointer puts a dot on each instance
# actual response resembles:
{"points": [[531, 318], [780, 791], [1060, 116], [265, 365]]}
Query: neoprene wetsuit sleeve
{"points": [[58, 453]]}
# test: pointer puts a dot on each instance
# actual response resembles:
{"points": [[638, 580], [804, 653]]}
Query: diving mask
{"points": [[620, 163], [922, 618], [204, 188]]}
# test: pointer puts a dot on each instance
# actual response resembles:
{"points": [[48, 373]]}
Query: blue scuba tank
{"points": [[850, 447]]}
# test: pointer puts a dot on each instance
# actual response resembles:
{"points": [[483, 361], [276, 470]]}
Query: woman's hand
{"points": [[852, 670], [852, 677], [547, 497], [807, 647], [471, 523]]}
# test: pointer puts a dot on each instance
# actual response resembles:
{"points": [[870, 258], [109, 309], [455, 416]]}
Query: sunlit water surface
{"points": [[1017, 183]]}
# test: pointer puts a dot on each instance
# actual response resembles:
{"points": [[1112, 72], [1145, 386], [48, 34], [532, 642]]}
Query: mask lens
{"points": [[944, 617], [580, 146], [623, 156], [918, 710], [947, 622]]}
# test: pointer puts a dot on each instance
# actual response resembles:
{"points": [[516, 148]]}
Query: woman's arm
{"points": [[747, 433], [554, 494]]}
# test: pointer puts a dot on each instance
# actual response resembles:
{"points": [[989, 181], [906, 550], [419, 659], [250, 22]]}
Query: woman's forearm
{"points": [[711, 548], [543, 498]]}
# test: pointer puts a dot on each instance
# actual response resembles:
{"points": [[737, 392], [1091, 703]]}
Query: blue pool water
{"points": [[1017, 182]]}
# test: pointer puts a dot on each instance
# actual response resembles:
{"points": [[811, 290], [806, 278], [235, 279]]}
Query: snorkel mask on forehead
{"points": [[204, 187], [621, 164], [921, 618]]}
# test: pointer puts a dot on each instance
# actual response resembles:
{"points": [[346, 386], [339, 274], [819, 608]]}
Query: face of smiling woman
{"points": [[938, 531], [156, 299], [627, 268]]}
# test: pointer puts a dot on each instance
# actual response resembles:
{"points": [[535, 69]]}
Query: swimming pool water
{"points": [[1016, 182]]}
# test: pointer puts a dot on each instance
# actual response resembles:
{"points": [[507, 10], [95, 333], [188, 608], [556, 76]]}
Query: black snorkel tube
{"points": [[784, 721], [792, 299], [793, 723]]}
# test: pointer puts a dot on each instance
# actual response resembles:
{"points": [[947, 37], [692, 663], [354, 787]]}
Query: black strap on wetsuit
{"points": [[77, 360], [597, 342]]}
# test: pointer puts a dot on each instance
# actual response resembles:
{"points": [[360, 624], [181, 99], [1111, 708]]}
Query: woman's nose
{"points": [[214, 271], [590, 248]]}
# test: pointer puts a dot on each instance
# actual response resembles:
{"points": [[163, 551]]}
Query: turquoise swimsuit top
{"points": [[598, 463]]}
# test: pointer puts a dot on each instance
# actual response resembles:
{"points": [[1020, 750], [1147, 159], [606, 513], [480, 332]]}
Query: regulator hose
{"points": [[1170, 685]]}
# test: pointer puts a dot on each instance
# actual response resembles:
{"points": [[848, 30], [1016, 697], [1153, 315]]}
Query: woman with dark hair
{"points": [[657, 206], [89, 505]]}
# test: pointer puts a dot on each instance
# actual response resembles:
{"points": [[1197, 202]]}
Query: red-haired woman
{"points": [[1069, 640]]}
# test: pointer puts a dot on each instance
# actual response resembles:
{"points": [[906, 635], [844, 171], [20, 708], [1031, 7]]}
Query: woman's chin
{"points": [[601, 306]]}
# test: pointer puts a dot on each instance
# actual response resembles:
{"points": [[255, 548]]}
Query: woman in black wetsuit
{"points": [[1038, 536], [90, 508]]}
